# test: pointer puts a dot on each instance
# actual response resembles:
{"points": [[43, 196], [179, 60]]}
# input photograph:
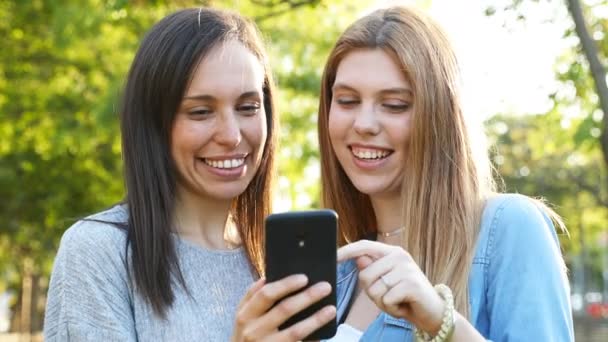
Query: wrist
{"points": [[443, 330], [431, 322]]}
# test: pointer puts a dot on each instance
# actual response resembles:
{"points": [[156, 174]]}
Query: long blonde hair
{"points": [[446, 181]]}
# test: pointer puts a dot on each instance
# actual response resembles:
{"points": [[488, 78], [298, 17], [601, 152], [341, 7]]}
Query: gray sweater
{"points": [[91, 297]]}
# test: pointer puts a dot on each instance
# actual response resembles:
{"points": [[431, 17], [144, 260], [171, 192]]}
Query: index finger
{"points": [[373, 249], [253, 289]]}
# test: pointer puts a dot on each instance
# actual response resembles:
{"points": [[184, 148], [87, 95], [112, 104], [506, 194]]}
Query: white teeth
{"points": [[369, 154], [226, 163]]}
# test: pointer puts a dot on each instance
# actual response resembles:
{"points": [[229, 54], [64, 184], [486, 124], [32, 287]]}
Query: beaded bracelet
{"points": [[448, 321]]}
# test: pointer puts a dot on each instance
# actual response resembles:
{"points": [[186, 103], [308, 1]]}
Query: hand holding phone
{"points": [[304, 242], [258, 317]]}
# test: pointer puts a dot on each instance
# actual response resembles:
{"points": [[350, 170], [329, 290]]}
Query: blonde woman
{"points": [[431, 251]]}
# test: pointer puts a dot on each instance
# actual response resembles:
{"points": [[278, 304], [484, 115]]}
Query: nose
{"points": [[228, 130], [366, 122]]}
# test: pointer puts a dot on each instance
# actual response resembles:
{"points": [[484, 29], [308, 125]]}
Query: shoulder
{"points": [[92, 255], [90, 293], [116, 214], [524, 278], [512, 222], [518, 212], [96, 236]]}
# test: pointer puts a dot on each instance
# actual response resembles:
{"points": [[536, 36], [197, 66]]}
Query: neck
{"points": [[204, 221], [388, 219]]}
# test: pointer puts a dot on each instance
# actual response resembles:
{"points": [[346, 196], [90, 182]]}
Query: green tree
{"points": [[588, 47], [62, 68], [571, 140], [59, 83], [538, 155]]}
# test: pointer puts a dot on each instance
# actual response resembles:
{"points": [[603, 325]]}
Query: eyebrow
{"points": [[205, 97], [396, 90]]}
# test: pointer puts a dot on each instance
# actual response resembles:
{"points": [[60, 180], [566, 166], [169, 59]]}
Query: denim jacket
{"points": [[518, 287]]}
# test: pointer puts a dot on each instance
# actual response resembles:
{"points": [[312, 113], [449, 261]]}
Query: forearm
{"points": [[465, 331]]}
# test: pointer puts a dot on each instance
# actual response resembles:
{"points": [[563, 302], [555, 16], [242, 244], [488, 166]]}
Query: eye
{"points": [[396, 106], [347, 101], [249, 108], [199, 112]]}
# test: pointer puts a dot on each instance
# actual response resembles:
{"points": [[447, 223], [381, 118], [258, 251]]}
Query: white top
{"points": [[346, 333]]}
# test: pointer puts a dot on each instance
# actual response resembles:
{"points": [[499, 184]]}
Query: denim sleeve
{"points": [[88, 297], [527, 286]]}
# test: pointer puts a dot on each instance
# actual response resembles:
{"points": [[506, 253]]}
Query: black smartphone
{"points": [[304, 242]]}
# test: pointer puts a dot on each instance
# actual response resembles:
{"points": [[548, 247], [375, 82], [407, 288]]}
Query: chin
{"points": [[228, 194], [368, 189], [374, 188], [226, 191]]}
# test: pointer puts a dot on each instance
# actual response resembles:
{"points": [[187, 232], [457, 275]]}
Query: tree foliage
{"points": [[62, 68], [559, 154]]}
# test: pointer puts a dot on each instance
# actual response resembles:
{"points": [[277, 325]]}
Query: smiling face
{"points": [[219, 132], [369, 121]]}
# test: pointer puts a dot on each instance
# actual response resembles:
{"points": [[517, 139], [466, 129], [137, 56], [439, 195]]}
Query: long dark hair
{"points": [[159, 76]]}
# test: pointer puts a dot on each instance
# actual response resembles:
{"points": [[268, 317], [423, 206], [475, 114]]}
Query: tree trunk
{"points": [[26, 300], [597, 69]]}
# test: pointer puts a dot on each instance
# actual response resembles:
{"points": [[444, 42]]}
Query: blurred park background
{"points": [[535, 79]]}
